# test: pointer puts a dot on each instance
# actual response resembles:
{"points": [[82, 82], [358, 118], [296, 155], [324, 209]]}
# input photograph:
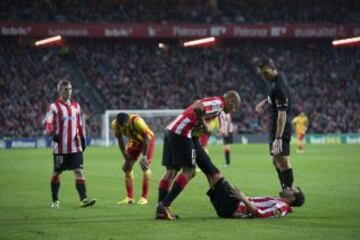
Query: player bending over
{"points": [[179, 151], [141, 141]]}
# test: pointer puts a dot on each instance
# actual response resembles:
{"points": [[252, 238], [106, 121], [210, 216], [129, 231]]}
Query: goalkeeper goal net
{"points": [[157, 119]]}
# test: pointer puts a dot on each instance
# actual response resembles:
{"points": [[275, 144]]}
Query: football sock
{"points": [[176, 189], [227, 156], [280, 177], [81, 188], [288, 178], [55, 185], [129, 184], [145, 183], [163, 189]]}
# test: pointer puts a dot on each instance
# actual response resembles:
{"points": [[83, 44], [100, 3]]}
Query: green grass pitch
{"points": [[328, 174]]}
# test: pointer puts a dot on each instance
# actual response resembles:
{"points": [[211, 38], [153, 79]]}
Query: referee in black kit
{"points": [[280, 124]]}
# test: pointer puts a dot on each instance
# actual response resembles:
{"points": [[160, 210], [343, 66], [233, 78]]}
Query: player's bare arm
{"points": [[280, 125], [239, 195], [121, 145], [50, 126], [260, 106], [199, 111], [227, 125], [144, 161]]}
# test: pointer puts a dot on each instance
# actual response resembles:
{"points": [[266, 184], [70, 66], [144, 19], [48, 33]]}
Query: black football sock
{"points": [[55, 186], [227, 157], [280, 176], [163, 189], [288, 178], [176, 189], [81, 188]]}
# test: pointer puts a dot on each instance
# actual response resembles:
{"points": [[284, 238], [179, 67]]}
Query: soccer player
{"points": [[300, 124], [179, 151], [279, 102], [141, 141], [63, 123], [228, 138], [230, 202]]}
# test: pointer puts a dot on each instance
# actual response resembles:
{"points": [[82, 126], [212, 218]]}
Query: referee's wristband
{"points": [[278, 137]]}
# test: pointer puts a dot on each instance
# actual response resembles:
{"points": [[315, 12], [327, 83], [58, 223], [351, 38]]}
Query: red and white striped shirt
{"points": [[267, 207], [186, 121], [65, 119]]}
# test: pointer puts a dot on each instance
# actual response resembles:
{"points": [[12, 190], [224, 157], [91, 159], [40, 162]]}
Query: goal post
{"points": [[157, 119]]}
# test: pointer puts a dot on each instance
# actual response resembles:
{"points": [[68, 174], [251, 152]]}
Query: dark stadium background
{"points": [[125, 69]]}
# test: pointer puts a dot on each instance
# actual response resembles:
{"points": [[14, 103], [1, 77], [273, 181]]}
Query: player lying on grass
{"points": [[230, 202]]}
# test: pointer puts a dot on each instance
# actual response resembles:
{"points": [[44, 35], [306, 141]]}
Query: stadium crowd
{"points": [[180, 11], [28, 82], [325, 81]]}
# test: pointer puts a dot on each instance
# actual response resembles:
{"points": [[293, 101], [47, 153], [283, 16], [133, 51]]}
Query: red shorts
{"points": [[301, 136], [135, 148], [204, 140]]}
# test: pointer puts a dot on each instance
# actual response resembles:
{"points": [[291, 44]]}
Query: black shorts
{"points": [[229, 139], [285, 147], [203, 159], [285, 139], [70, 161], [224, 205], [179, 152]]}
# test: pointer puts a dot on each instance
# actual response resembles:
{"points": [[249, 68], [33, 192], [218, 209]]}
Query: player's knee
{"points": [[127, 167], [193, 172], [275, 162], [283, 163], [189, 172], [78, 173], [56, 174], [170, 174], [144, 166]]}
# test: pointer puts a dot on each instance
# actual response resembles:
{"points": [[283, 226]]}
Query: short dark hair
{"points": [[265, 61], [299, 198], [122, 117], [63, 83]]}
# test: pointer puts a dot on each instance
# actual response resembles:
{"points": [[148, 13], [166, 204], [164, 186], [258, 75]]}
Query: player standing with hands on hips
{"points": [[279, 125]]}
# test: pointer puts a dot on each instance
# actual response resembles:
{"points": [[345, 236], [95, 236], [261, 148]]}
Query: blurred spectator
{"points": [[325, 82], [182, 11]]}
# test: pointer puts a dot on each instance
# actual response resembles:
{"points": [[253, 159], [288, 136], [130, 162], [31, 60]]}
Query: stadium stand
{"points": [[124, 73], [180, 11]]}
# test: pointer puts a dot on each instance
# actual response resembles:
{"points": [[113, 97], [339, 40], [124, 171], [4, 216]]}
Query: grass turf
{"points": [[328, 174]]}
